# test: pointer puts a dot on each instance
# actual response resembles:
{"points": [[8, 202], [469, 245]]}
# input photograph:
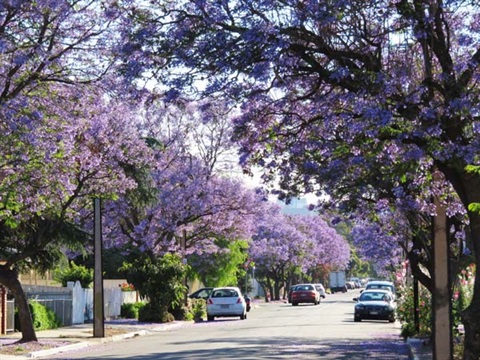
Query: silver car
{"points": [[226, 302], [321, 290], [380, 284]]}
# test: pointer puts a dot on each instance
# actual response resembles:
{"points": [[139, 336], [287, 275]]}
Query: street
{"points": [[271, 331]]}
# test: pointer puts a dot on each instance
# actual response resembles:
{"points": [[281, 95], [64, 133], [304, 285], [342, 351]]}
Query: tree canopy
{"points": [[367, 102], [283, 244], [334, 96]]}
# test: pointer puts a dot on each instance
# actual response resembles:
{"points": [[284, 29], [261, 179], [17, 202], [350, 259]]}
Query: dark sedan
{"points": [[376, 305]]}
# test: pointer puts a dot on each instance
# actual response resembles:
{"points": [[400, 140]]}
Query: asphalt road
{"points": [[271, 331]]}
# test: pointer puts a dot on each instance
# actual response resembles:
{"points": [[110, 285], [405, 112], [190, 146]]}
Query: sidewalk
{"points": [[81, 336], [77, 337]]}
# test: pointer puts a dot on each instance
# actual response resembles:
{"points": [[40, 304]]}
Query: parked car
{"points": [[375, 304], [380, 284], [321, 290], [350, 284], [357, 282], [226, 302], [305, 293], [202, 293]]}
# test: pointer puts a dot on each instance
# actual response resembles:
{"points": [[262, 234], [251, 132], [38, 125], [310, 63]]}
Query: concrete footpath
{"points": [[76, 337], [80, 336]]}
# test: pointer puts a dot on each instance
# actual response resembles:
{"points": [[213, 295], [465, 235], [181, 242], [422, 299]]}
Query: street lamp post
{"points": [[98, 310]]}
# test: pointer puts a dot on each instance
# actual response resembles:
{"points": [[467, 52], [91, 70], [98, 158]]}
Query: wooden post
{"points": [[442, 320], [3, 310], [184, 261], [98, 311]]}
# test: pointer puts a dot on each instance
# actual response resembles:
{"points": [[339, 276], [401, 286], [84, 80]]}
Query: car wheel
{"points": [[294, 304], [243, 316], [392, 319], [210, 318], [357, 318]]}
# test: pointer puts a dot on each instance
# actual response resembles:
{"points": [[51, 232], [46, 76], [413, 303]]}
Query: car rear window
{"points": [[225, 293], [304, 288], [384, 287]]}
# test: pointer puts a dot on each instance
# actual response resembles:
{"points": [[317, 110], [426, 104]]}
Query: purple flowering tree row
{"points": [[345, 98]]}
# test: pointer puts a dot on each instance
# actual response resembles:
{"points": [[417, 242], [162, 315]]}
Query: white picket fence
{"points": [[74, 305]]}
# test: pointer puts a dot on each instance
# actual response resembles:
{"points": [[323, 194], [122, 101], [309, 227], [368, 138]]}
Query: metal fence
{"points": [[61, 307]]}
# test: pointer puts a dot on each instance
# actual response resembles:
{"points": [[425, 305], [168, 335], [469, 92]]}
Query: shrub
{"points": [[152, 313], [198, 308], [179, 312], [160, 280], [462, 294], [73, 273], [43, 317], [131, 310], [405, 311]]}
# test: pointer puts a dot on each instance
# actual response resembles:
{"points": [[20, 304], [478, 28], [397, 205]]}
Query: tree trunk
{"points": [[471, 315], [276, 290], [467, 186], [9, 278]]}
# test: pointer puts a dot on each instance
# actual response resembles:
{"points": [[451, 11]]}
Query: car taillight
{"points": [[210, 302], [239, 301]]}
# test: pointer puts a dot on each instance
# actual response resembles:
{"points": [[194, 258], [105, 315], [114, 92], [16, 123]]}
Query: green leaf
{"points": [[472, 169], [474, 207]]}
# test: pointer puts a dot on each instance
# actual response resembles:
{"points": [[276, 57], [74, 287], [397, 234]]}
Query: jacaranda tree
{"points": [[49, 163], [282, 243], [53, 164]]}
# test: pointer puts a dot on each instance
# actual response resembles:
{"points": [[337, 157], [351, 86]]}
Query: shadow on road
{"points": [[280, 348]]}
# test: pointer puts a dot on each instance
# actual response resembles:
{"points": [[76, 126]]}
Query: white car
{"points": [[383, 285], [226, 302], [321, 290]]}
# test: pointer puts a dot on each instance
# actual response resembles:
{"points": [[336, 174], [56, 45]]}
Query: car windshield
{"points": [[374, 296]]}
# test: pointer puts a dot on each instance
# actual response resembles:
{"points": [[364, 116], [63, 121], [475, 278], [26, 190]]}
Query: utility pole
{"points": [[98, 315], [184, 261], [442, 305]]}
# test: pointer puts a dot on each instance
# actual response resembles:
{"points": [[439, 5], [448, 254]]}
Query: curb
{"points": [[42, 353], [84, 344]]}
